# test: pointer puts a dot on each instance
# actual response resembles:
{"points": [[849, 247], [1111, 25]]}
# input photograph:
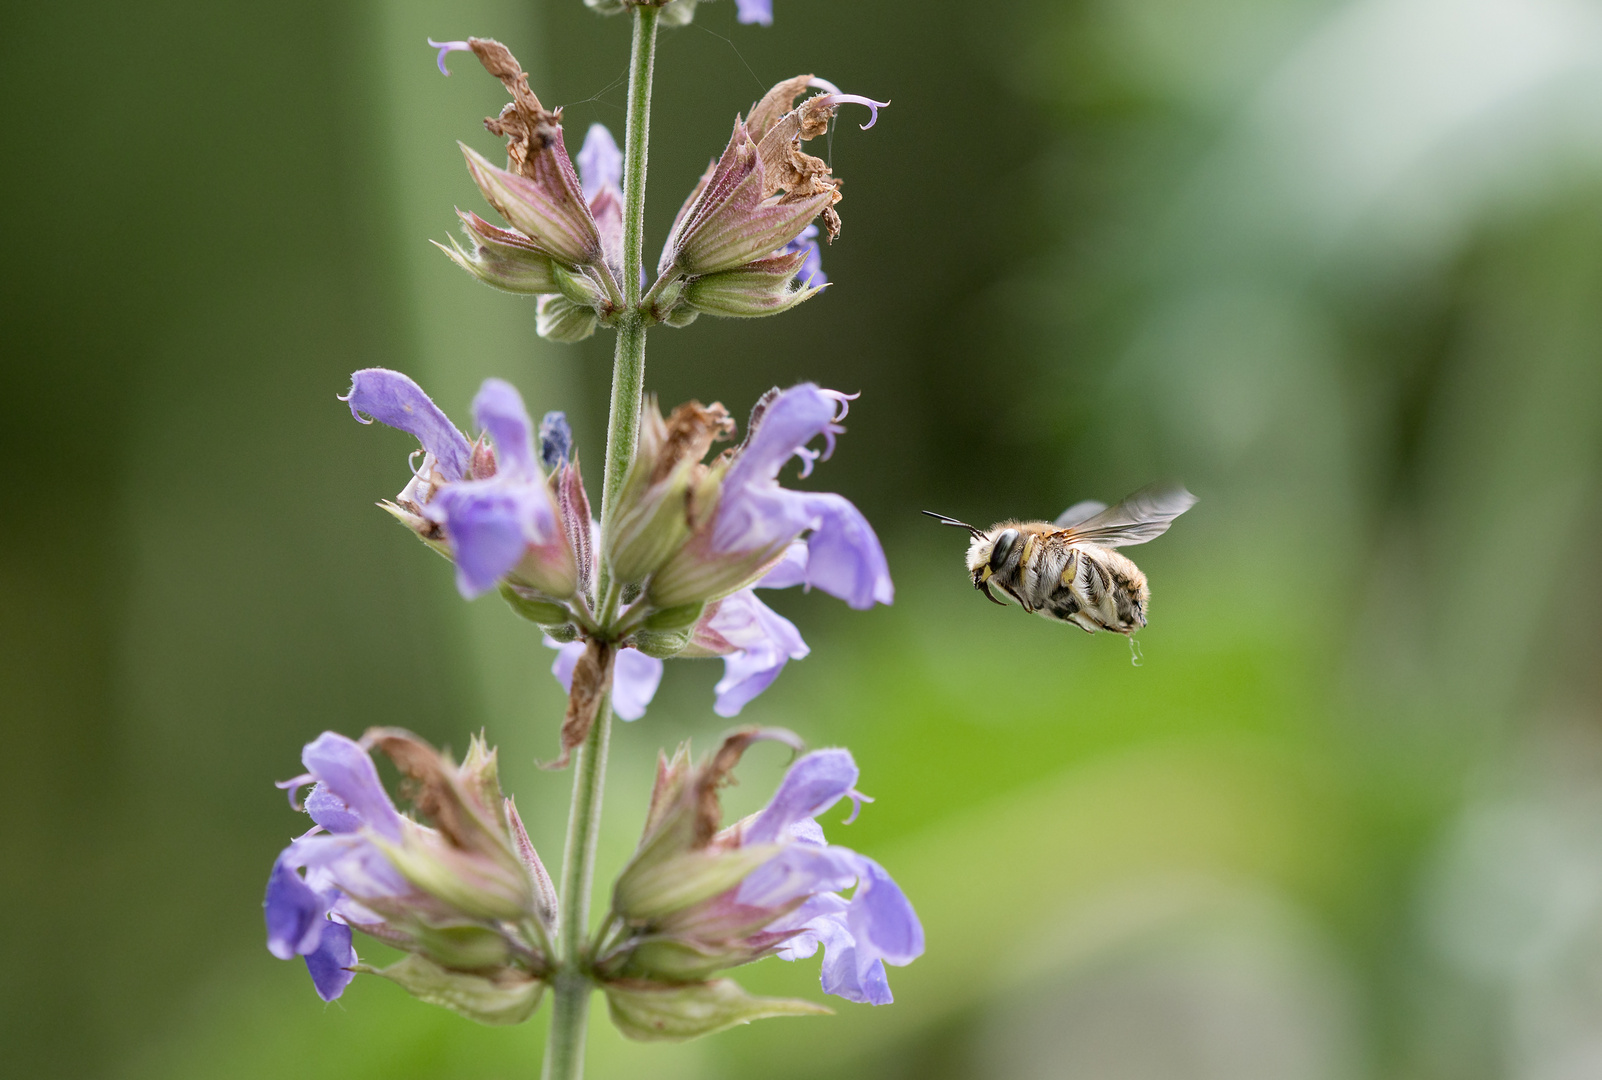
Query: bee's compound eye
{"points": [[1002, 547]]}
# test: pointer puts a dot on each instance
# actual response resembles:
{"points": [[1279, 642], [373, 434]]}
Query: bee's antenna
{"points": [[953, 521]]}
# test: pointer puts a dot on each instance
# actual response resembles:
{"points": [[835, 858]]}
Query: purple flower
{"points": [[365, 866], [492, 510], [689, 923], [751, 11], [756, 520], [755, 642]]}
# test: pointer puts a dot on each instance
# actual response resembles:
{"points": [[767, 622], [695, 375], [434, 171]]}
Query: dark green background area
{"points": [[1336, 266]]}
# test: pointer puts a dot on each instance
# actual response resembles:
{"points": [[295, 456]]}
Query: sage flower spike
{"points": [[467, 896], [696, 898], [753, 521], [487, 505]]}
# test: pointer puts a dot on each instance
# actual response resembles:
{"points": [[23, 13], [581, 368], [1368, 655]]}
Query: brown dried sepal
{"points": [[456, 808], [527, 126], [718, 772], [779, 131], [592, 678], [687, 435]]}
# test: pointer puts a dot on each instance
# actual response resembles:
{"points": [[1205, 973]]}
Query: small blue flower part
{"points": [[811, 272], [755, 642], [366, 867], [556, 440], [308, 916], [446, 48], [600, 162], [759, 12]]}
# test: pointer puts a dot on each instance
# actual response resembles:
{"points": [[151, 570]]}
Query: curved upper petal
{"points": [[395, 400], [813, 784], [340, 764], [498, 409], [791, 420]]}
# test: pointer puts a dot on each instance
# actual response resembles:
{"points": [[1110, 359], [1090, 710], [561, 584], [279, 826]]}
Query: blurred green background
{"points": [[1336, 265]]}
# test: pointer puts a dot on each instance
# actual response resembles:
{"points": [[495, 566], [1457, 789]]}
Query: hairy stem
{"points": [[564, 1051]]}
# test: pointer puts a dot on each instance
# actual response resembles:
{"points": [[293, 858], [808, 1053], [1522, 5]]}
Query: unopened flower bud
{"points": [[560, 319], [764, 287], [650, 519], [502, 258], [556, 440]]}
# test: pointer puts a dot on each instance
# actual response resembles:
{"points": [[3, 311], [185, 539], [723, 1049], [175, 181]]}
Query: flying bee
{"points": [[1068, 569]]}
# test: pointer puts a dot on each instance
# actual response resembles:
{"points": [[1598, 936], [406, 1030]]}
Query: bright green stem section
{"points": [[564, 1050]]}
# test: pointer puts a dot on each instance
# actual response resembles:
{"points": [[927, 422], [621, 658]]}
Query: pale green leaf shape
{"points": [[509, 999], [664, 1012]]}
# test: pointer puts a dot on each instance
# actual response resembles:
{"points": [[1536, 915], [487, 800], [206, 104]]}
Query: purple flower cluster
{"points": [[364, 865], [788, 901]]}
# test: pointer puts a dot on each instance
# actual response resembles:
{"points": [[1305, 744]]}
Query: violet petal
{"points": [[328, 963], [813, 784], [348, 771], [396, 401], [498, 409], [293, 912]]}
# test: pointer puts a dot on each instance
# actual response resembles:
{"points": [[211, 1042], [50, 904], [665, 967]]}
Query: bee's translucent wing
{"points": [[1143, 516], [1078, 512]]}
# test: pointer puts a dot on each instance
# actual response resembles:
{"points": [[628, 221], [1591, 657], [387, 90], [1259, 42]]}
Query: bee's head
{"points": [[990, 552]]}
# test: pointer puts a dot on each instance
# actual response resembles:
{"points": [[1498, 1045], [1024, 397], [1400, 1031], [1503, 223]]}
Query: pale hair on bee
{"points": [[1068, 570]]}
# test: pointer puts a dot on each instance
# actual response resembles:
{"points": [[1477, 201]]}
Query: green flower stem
{"points": [[564, 1049]]}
